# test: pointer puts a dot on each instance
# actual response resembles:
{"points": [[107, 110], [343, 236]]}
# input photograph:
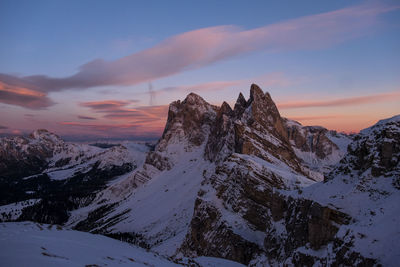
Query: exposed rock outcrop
{"points": [[317, 147]]}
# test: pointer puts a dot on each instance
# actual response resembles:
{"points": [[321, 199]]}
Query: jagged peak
{"points": [[240, 105], [241, 100], [225, 108], [255, 93], [268, 96]]}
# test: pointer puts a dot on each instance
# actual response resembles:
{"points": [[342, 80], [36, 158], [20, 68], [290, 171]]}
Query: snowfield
{"points": [[38, 245]]}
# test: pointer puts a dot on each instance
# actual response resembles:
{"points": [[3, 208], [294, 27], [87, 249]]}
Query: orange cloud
{"points": [[24, 97], [391, 96]]}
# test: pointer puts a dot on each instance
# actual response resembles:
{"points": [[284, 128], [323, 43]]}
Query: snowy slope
{"points": [[12, 211], [31, 244], [159, 210], [366, 185]]}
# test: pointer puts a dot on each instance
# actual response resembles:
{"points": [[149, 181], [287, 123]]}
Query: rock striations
{"points": [[247, 185]]}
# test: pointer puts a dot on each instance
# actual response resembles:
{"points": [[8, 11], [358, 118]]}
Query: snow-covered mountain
{"points": [[247, 185], [57, 176]]}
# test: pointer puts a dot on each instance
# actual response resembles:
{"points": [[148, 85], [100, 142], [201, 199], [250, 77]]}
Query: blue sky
{"points": [[244, 42]]}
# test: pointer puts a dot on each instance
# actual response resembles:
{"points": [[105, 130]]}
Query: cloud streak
{"points": [[144, 117], [105, 105], [202, 47], [273, 79], [23, 97], [86, 118], [201, 87], [391, 96]]}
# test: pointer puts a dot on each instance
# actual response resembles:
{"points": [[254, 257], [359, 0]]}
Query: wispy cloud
{"points": [[273, 79], [144, 116], [201, 87], [391, 96], [3, 127], [122, 130], [105, 105], [206, 46], [86, 118]]}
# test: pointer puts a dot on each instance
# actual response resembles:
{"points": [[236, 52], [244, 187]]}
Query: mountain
{"points": [[62, 175], [248, 185]]}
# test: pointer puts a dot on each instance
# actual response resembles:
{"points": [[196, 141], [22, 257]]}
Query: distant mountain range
{"points": [[241, 183]]}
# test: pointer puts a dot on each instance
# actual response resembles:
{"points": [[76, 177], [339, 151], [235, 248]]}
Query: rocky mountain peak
{"points": [[256, 93], [43, 134], [255, 127], [190, 120], [265, 112], [195, 99], [240, 105]]}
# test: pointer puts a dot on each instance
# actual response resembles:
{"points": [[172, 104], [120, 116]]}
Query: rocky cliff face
{"points": [[318, 148]]}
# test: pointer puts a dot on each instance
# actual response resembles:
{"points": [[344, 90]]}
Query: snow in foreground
{"points": [[32, 244]]}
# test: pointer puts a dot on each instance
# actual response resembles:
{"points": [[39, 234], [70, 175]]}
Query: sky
{"points": [[91, 70]]}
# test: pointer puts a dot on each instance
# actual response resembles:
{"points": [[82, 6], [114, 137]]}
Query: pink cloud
{"points": [[391, 96], [205, 46], [105, 105], [201, 87]]}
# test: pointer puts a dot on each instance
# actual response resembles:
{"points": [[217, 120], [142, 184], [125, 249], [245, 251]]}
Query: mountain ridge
{"points": [[247, 185]]}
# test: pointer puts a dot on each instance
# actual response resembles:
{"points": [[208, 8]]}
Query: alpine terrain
{"points": [[239, 183]]}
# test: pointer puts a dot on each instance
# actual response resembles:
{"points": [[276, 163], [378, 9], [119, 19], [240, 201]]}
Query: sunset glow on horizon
{"points": [[111, 72]]}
